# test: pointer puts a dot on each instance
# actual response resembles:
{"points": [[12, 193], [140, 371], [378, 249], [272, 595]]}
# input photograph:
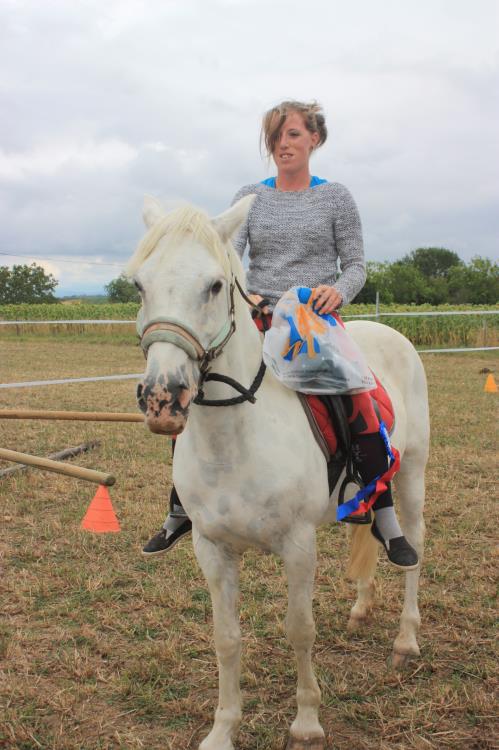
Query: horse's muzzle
{"points": [[165, 404]]}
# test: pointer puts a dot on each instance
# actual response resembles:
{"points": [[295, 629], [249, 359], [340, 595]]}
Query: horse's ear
{"points": [[229, 222], [153, 211]]}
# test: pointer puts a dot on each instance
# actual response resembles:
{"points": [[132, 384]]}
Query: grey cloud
{"points": [[409, 92]]}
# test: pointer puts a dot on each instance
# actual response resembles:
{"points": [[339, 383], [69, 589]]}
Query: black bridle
{"points": [[247, 394], [171, 331]]}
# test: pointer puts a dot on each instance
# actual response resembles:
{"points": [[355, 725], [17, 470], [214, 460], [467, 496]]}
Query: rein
{"points": [[247, 394], [171, 331]]}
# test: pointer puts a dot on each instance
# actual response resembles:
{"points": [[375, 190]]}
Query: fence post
{"points": [[377, 306]]}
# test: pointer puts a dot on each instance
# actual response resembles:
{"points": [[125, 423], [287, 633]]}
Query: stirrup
{"points": [[361, 518], [176, 514]]}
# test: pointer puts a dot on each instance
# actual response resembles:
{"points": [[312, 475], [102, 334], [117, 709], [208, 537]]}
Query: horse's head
{"points": [[184, 269]]}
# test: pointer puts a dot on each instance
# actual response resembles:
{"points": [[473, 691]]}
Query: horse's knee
{"points": [[414, 527], [228, 644], [413, 516], [300, 631]]}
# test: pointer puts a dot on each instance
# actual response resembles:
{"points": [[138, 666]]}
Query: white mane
{"points": [[175, 226]]}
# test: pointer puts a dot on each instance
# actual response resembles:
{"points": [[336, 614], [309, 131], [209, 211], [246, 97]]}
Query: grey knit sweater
{"points": [[296, 239]]}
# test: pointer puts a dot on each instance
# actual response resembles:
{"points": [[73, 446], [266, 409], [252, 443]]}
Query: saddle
{"points": [[331, 426], [330, 431]]}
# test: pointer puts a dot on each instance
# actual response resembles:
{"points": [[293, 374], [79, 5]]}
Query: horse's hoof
{"points": [[401, 660], [311, 743], [355, 623]]}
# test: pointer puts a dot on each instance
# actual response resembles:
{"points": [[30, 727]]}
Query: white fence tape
{"points": [[58, 322], [467, 349], [422, 314], [32, 383], [429, 313]]}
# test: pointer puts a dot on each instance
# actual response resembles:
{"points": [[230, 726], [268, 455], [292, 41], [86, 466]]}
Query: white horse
{"points": [[252, 474]]}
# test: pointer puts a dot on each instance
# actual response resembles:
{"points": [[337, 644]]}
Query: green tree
{"points": [[26, 284], [122, 290], [407, 284], [4, 278], [477, 283], [433, 262], [377, 281]]}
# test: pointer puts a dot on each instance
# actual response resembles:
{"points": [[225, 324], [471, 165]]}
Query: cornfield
{"points": [[431, 331], [438, 331], [118, 311]]}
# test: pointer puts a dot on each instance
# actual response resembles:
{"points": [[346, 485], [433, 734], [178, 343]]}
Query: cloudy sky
{"points": [[102, 102]]}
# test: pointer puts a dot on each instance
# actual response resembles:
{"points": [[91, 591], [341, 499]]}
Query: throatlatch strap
{"points": [[247, 394]]}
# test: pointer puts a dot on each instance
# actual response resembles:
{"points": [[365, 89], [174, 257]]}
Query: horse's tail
{"points": [[363, 552]]}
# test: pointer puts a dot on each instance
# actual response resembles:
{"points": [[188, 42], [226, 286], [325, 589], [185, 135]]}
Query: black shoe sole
{"points": [[168, 548]]}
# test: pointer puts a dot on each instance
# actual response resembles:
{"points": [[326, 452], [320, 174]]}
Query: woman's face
{"points": [[294, 145]]}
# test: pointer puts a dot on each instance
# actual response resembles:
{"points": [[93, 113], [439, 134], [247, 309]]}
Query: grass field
{"points": [[100, 649]]}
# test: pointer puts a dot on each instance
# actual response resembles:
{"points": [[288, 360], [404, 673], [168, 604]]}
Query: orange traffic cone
{"points": [[100, 516], [490, 385]]}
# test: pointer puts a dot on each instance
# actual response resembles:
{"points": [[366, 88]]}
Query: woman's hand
{"points": [[326, 299], [255, 298]]}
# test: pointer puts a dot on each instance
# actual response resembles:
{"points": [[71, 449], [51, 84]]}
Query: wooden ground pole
{"points": [[76, 416], [58, 467]]}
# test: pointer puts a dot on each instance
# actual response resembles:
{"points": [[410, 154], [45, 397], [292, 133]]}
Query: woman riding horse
{"points": [[297, 229]]}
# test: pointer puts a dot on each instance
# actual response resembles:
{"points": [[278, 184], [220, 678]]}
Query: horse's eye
{"points": [[217, 286]]}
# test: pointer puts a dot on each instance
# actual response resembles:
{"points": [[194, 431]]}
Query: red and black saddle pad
{"points": [[364, 412]]}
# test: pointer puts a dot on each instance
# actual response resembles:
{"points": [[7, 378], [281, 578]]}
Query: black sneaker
{"points": [[400, 553], [166, 539]]}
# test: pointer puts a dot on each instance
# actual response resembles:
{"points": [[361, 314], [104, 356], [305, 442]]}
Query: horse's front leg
{"points": [[411, 487], [300, 561], [221, 570]]}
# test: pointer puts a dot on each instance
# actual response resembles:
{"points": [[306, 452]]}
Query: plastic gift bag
{"points": [[311, 352]]}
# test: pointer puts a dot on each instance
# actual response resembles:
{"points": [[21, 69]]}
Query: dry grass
{"points": [[100, 649]]}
